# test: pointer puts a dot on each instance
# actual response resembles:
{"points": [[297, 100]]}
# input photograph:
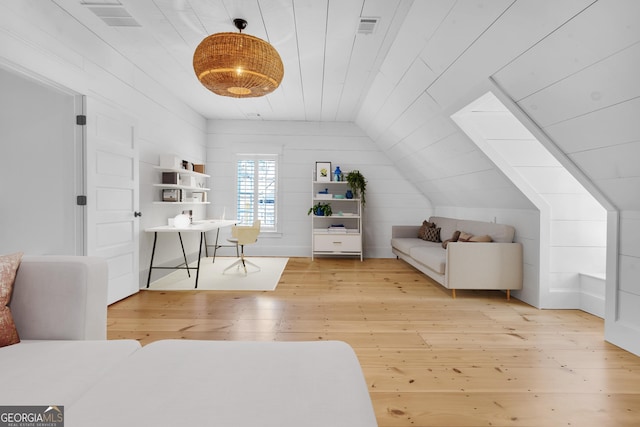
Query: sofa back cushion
{"points": [[447, 226], [60, 297], [498, 232]]}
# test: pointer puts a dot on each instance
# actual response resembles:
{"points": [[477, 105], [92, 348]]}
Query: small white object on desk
{"points": [[181, 221]]}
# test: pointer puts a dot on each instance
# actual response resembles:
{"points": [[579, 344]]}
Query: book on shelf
{"points": [[337, 228], [336, 231]]}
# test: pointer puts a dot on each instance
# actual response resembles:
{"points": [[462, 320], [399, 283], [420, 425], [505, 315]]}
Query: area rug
{"points": [[234, 279]]}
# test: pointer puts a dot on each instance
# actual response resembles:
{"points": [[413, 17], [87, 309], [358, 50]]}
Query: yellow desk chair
{"points": [[244, 235]]}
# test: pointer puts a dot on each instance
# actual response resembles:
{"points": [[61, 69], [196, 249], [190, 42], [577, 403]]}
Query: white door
{"points": [[112, 196]]}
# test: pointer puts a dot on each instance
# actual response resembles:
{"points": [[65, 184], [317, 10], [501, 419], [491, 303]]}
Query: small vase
{"points": [[319, 212], [349, 194], [337, 174]]}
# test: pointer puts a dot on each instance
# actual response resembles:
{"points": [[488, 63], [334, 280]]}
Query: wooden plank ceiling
{"points": [[328, 65]]}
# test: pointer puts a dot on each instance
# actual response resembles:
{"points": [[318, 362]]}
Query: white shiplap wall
{"points": [[390, 198], [42, 41]]}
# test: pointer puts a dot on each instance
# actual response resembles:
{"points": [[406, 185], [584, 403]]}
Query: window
{"points": [[257, 191]]}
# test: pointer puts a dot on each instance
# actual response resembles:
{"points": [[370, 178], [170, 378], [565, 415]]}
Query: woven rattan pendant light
{"points": [[237, 64]]}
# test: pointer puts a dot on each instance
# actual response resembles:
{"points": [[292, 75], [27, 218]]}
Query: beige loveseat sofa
{"points": [[64, 360], [463, 265]]}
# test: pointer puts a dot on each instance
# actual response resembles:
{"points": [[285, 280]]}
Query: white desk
{"points": [[197, 227]]}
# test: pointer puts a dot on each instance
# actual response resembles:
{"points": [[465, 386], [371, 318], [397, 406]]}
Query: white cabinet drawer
{"points": [[337, 243]]}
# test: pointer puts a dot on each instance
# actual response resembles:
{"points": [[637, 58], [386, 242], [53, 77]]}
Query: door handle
{"points": [[137, 214]]}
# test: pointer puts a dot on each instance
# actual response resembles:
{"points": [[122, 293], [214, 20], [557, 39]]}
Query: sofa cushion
{"points": [[430, 255], [422, 232], [8, 268], [61, 297], [448, 226], [464, 236], [453, 238], [432, 235], [483, 238], [404, 244]]}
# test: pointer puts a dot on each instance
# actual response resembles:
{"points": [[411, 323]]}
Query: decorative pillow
{"points": [[485, 238], [8, 268], [432, 235], [464, 237], [453, 238], [422, 233]]}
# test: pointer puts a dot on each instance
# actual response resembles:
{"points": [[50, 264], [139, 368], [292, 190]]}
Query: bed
{"points": [[230, 383]]}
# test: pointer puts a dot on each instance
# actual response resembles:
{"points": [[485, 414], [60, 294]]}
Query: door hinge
{"points": [[81, 120], [81, 200]]}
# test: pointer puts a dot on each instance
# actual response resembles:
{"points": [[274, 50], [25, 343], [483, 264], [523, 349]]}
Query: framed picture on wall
{"points": [[323, 171]]}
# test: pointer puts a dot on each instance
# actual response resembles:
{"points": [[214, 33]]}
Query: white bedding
{"points": [[57, 372], [230, 384]]}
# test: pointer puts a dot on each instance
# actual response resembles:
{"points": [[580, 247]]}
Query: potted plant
{"points": [[320, 209], [358, 183]]}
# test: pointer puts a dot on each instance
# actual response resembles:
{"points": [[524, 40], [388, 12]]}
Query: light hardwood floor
{"points": [[429, 360]]}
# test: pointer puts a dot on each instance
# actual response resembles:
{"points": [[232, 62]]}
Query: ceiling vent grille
{"points": [[367, 25], [112, 14]]}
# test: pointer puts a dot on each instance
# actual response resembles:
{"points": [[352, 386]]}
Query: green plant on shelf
{"points": [[358, 184], [320, 209]]}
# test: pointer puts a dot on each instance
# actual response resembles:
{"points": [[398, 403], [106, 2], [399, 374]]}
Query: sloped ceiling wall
{"points": [[571, 65]]}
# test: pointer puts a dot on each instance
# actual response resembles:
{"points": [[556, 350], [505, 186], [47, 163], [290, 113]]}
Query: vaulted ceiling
{"points": [[569, 66]]}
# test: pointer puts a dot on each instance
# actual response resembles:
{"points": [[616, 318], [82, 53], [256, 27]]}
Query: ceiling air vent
{"points": [[112, 13], [367, 25]]}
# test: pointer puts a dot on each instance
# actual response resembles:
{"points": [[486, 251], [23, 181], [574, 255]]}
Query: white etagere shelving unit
{"points": [[199, 178], [341, 233]]}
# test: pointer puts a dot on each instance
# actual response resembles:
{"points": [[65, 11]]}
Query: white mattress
{"points": [[230, 384]]}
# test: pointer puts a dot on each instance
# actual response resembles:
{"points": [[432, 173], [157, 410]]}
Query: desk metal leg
{"points": [[153, 252], [215, 247], [206, 249], [199, 256], [186, 263]]}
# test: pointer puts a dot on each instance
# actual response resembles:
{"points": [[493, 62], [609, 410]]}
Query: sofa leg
{"points": [[453, 293], [508, 294]]}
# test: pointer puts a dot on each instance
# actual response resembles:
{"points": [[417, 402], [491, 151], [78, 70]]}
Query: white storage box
{"points": [[170, 161], [324, 196], [187, 180]]}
